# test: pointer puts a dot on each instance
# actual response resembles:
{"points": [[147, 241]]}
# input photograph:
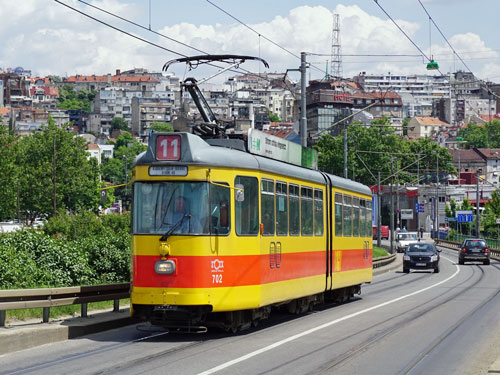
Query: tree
{"points": [[57, 173], [159, 127], [118, 169], [475, 136], [370, 150], [71, 99], [119, 123], [273, 117], [10, 174], [491, 213]]}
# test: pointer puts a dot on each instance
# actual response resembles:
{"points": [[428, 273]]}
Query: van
{"points": [[384, 232]]}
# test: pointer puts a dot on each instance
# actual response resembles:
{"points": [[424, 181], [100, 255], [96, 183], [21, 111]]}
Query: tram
{"points": [[221, 235], [224, 229]]}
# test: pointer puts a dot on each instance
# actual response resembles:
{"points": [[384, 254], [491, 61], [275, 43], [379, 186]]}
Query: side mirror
{"points": [[239, 193], [438, 250]]}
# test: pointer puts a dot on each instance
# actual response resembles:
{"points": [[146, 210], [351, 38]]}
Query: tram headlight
{"points": [[165, 267]]}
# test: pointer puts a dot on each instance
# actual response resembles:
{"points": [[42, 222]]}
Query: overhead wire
{"points": [[418, 48], [453, 49], [259, 34]]}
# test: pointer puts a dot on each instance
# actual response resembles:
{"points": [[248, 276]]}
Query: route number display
{"points": [[168, 147]]}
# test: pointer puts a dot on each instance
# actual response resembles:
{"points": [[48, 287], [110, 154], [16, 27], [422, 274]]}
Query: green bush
{"points": [[71, 250]]}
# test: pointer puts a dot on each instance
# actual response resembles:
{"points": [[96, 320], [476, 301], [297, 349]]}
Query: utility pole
{"points": [[398, 221], [436, 211], [345, 151], [417, 214], [54, 166], [477, 201], [303, 110], [392, 211], [379, 209]]}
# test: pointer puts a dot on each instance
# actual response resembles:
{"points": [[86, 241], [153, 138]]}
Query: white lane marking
{"points": [[312, 330]]}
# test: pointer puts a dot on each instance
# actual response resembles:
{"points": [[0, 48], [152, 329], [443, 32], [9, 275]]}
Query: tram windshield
{"points": [[194, 208]]}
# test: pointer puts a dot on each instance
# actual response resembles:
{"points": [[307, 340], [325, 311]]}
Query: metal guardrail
{"points": [[383, 261], [50, 297], [452, 245]]}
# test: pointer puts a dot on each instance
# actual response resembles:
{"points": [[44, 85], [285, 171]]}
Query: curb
{"points": [[398, 261]]}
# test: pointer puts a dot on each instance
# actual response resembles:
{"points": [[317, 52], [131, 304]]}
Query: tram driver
{"points": [[190, 224]]}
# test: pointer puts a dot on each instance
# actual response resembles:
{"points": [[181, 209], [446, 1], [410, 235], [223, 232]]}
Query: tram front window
{"points": [[191, 207]]}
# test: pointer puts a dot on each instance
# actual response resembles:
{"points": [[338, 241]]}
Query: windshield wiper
{"points": [[176, 225]]}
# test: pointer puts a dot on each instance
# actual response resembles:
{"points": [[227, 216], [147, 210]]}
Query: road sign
{"points": [[419, 207], [497, 221], [465, 218], [450, 219], [406, 214]]}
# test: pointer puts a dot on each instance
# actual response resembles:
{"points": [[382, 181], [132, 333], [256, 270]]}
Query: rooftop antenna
{"points": [[336, 57]]}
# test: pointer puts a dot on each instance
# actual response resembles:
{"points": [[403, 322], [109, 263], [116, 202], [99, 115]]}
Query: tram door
{"points": [[273, 199], [329, 230]]}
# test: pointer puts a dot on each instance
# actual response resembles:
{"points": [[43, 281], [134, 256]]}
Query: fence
{"points": [[494, 253], [492, 242]]}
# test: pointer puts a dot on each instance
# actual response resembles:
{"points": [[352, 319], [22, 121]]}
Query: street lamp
{"points": [[478, 172], [436, 207]]}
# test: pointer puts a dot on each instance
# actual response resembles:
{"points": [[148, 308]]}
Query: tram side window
{"points": [[247, 210], [306, 208], [362, 220], [356, 223], [347, 216], [338, 214], [369, 219], [294, 224], [318, 212], [267, 205], [281, 209], [219, 210]]}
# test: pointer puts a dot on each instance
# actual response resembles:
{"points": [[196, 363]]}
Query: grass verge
{"points": [[60, 311], [379, 252]]}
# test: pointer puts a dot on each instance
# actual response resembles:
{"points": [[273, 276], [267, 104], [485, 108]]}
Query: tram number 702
{"points": [[217, 279]]}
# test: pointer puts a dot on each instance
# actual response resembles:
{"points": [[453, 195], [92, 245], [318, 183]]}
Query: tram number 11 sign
{"points": [[168, 147]]}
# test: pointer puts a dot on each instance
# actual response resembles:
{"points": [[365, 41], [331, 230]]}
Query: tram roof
{"points": [[196, 151]]}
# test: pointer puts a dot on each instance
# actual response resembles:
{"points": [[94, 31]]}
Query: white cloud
{"points": [[56, 40]]}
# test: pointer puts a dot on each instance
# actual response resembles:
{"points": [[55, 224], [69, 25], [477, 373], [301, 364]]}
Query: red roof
{"points": [[481, 201], [116, 78], [47, 90], [4, 111]]}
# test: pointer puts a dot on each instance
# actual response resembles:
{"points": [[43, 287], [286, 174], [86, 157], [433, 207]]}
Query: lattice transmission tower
{"points": [[336, 56]]}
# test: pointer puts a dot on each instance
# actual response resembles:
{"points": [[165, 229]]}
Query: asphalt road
{"points": [[417, 323]]}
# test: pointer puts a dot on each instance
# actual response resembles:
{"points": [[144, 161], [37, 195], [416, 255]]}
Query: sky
{"points": [[47, 37]]}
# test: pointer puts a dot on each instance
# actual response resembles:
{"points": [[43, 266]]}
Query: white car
{"points": [[403, 239]]}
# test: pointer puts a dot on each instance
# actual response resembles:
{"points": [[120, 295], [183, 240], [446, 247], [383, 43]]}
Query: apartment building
{"points": [[421, 127], [146, 111]]}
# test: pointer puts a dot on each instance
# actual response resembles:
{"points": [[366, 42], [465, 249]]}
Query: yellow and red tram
{"points": [[221, 235]]}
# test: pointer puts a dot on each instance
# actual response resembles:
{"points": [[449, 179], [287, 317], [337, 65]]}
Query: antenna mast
{"points": [[336, 58]]}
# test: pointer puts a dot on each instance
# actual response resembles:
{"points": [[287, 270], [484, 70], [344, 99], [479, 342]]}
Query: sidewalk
{"points": [[27, 334]]}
